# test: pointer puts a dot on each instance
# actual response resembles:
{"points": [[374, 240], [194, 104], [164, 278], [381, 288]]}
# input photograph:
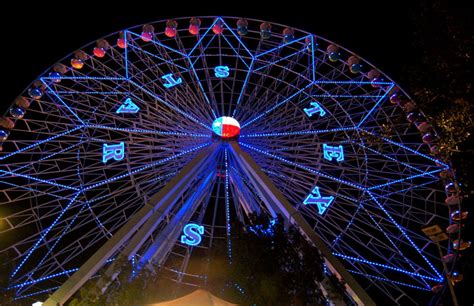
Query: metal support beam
{"points": [[129, 233], [275, 200], [170, 234]]}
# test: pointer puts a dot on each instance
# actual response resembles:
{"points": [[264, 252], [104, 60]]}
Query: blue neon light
{"points": [[221, 71], [298, 132], [29, 177], [375, 105], [352, 82], [267, 231], [316, 108], [389, 280], [199, 42], [62, 101], [314, 45], [391, 242], [406, 236], [125, 53], [281, 46], [330, 152], [281, 59], [244, 86], [44, 278], [235, 36], [276, 106], [131, 130], [35, 293], [159, 162], [388, 157], [406, 178], [405, 147], [43, 235], [350, 258], [240, 57], [192, 234], [65, 231], [227, 207], [71, 92], [128, 107], [156, 43], [161, 59], [322, 174], [172, 106], [113, 151], [41, 159], [86, 78], [212, 37], [241, 290], [171, 80], [315, 197]]}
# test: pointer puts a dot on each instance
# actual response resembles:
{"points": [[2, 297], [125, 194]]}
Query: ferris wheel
{"points": [[150, 142]]}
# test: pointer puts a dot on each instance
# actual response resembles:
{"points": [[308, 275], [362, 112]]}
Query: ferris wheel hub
{"points": [[226, 127]]}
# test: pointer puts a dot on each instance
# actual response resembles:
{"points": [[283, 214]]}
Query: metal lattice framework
{"points": [[60, 202]]}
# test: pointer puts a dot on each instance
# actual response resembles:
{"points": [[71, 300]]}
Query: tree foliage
{"points": [[272, 265], [440, 78]]}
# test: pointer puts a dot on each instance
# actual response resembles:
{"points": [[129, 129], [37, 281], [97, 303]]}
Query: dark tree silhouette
{"points": [[440, 76]]}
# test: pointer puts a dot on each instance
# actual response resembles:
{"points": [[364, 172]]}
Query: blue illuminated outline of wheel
{"points": [[102, 131]]}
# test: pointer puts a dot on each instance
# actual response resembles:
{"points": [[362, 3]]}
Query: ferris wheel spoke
{"points": [[376, 248], [303, 167], [14, 174], [405, 147], [381, 99], [163, 68], [319, 109], [67, 106], [140, 169], [111, 66], [39, 143], [59, 167], [210, 92], [304, 132], [107, 99], [424, 174], [54, 241], [404, 233], [384, 279], [274, 61], [44, 234], [402, 147], [333, 152], [187, 96], [145, 131], [25, 218], [93, 99], [395, 162], [209, 96], [157, 98], [159, 44], [414, 266], [274, 67], [225, 72], [286, 100]]}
